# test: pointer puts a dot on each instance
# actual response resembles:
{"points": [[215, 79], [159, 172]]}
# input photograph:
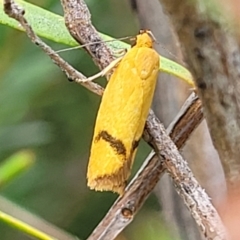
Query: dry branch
{"points": [[78, 22], [16, 12]]}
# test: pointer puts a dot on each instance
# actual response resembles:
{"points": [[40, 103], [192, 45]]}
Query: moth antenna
{"points": [[89, 44], [149, 32], [68, 49], [171, 54]]}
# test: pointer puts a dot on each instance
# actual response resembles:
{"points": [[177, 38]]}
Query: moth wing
{"points": [[118, 116], [120, 122]]}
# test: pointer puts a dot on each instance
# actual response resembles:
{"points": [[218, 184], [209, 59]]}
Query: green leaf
{"points": [[14, 165], [51, 26], [46, 24]]}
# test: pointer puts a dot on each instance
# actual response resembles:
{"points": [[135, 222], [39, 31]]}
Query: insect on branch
{"points": [[148, 175], [211, 226], [166, 158], [125, 208]]}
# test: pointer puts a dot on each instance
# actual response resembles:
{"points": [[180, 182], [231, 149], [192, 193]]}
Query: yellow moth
{"points": [[121, 117]]}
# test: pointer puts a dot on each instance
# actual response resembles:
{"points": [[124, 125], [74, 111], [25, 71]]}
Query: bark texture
{"points": [[212, 53]]}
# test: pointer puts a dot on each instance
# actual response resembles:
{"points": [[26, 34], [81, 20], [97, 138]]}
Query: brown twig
{"points": [[195, 197], [15, 11], [78, 21]]}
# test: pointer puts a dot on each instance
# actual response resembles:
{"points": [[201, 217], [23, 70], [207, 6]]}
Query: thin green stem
{"points": [[23, 227]]}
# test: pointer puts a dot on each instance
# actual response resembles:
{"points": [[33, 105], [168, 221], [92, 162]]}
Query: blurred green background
{"points": [[42, 111]]}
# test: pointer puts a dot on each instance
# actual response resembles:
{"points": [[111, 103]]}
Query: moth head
{"points": [[145, 39]]}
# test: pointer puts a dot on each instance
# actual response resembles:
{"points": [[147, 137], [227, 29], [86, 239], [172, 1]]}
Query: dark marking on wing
{"points": [[133, 149], [135, 145], [114, 143]]}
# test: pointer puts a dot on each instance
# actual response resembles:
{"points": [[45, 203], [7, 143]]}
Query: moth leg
{"points": [[120, 52], [105, 71]]}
